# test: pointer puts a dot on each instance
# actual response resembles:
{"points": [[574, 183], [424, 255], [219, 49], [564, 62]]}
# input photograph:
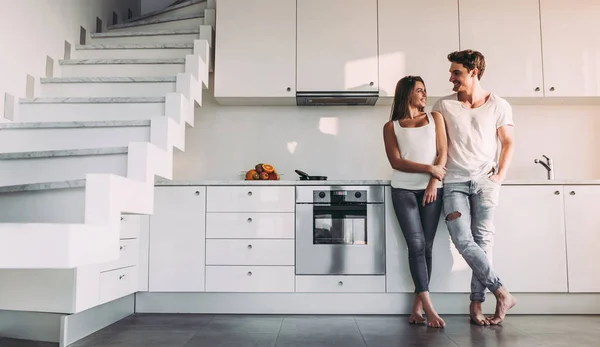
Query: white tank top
{"points": [[418, 145]]}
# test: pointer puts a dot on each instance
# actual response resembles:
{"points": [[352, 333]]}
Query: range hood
{"points": [[343, 98]]}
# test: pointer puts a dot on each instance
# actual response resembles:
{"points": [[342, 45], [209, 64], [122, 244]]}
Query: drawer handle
{"points": [[340, 283], [249, 193], [572, 192], [197, 193], [249, 273], [121, 277], [556, 192], [122, 219], [121, 248], [249, 247], [249, 220]]}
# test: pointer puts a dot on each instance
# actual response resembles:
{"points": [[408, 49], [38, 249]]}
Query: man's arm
{"points": [[506, 135], [441, 142]]}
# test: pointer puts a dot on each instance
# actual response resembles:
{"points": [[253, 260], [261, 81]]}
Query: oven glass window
{"points": [[339, 224]]}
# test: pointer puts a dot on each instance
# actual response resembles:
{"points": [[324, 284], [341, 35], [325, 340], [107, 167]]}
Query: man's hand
{"points": [[430, 194], [497, 178]]}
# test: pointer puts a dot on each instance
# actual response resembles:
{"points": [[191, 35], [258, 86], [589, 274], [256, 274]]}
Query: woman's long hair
{"points": [[404, 89]]}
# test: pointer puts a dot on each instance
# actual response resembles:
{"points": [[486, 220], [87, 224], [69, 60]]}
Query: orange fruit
{"points": [[268, 168], [250, 175]]}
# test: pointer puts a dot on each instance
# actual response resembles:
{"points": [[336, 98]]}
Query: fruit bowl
{"points": [[261, 171]]}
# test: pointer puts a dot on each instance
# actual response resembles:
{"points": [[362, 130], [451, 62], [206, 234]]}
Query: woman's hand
{"points": [[437, 171], [430, 194]]}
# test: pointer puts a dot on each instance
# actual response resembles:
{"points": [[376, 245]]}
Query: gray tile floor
{"points": [[178, 330]]}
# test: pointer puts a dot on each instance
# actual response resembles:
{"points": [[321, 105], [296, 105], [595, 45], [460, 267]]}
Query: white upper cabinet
{"points": [[571, 46], [415, 38], [255, 52], [337, 45], [510, 41]]}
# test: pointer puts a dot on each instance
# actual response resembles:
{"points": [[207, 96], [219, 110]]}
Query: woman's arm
{"points": [[393, 153]]}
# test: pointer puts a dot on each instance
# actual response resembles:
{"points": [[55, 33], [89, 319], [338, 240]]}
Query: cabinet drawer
{"points": [[250, 225], [250, 199], [128, 255], [250, 252], [340, 284], [117, 283], [249, 278], [130, 227]]}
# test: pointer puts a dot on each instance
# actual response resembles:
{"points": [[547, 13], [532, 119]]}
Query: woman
{"points": [[416, 147]]}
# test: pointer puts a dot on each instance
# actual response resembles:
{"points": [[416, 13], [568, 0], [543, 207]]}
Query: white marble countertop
{"points": [[162, 182]]}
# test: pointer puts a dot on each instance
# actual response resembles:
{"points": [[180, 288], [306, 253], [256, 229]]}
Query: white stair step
{"points": [[193, 7], [61, 165], [146, 37], [134, 51], [90, 109], [40, 136], [192, 21], [107, 86], [44, 202], [121, 67]]}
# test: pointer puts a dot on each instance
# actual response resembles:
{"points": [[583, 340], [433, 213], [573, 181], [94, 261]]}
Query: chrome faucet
{"points": [[548, 165]]}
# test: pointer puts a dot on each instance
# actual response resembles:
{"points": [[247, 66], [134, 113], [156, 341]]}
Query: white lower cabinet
{"points": [[115, 284], [250, 278], [249, 252], [340, 284]]}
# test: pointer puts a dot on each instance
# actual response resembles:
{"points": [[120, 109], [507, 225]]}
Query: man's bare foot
{"points": [[416, 317], [476, 314], [504, 302]]}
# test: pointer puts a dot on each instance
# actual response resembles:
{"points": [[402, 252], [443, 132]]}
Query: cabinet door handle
{"points": [[249, 220], [249, 273], [121, 277], [289, 89], [556, 192], [537, 89], [249, 193], [249, 247], [572, 192], [371, 84], [121, 248], [340, 283], [122, 219], [551, 89]]}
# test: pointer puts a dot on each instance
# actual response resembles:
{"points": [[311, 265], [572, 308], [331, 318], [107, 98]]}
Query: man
{"points": [[476, 120]]}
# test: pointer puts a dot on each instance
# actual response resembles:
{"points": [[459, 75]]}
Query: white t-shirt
{"points": [[418, 145], [473, 148]]}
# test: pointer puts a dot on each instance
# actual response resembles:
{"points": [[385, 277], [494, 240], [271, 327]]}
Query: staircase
{"points": [[85, 151]]}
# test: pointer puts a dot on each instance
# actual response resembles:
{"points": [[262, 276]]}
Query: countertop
{"points": [[163, 182]]}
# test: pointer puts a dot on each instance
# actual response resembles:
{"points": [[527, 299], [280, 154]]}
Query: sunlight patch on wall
{"points": [[328, 125]]}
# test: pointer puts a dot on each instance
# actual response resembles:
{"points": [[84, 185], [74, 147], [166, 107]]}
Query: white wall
{"points": [[347, 143], [34, 29], [154, 5]]}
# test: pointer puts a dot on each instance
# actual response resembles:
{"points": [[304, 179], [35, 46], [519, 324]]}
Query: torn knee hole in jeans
{"points": [[453, 215]]}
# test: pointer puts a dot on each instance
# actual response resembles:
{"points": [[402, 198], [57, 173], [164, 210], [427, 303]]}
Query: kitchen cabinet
{"points": [[177, 240], [530, 237], [582, 204], [337, 45], [571, 48], [530, 251], [513, 53], [415, 38], [255, 52]]}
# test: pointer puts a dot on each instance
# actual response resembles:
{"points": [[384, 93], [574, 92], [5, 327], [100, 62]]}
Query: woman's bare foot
{"points": [[433, 319], [416, 317], [504, 302], [476, 314]]}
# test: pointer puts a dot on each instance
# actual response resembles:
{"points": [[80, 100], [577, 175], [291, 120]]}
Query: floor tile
{"points": [[166, 322], [133, 338], [564, 340], [437, 340], [233, 340], [558, 324], [242, 324], [392, 326], [6, 342]]}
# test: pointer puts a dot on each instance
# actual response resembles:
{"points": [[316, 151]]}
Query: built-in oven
{"points": [[340, 230]]}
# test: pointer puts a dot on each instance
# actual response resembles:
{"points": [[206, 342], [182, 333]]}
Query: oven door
{"points": [[340, 239]]}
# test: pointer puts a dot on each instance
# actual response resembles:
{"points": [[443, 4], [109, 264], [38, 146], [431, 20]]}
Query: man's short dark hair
{"points": [[470, 59]]}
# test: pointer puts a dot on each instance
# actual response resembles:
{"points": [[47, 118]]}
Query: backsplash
{"points": [[347, 142]]}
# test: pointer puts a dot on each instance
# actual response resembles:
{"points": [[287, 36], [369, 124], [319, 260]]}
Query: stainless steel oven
{"points": [[340, 230]]}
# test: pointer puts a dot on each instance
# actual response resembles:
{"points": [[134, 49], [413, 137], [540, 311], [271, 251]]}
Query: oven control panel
{"points": [[339, 196]]}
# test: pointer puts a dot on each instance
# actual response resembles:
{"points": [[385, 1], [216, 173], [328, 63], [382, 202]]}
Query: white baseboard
{"points": [[74, 327], [37, 326], [351, 303]]}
